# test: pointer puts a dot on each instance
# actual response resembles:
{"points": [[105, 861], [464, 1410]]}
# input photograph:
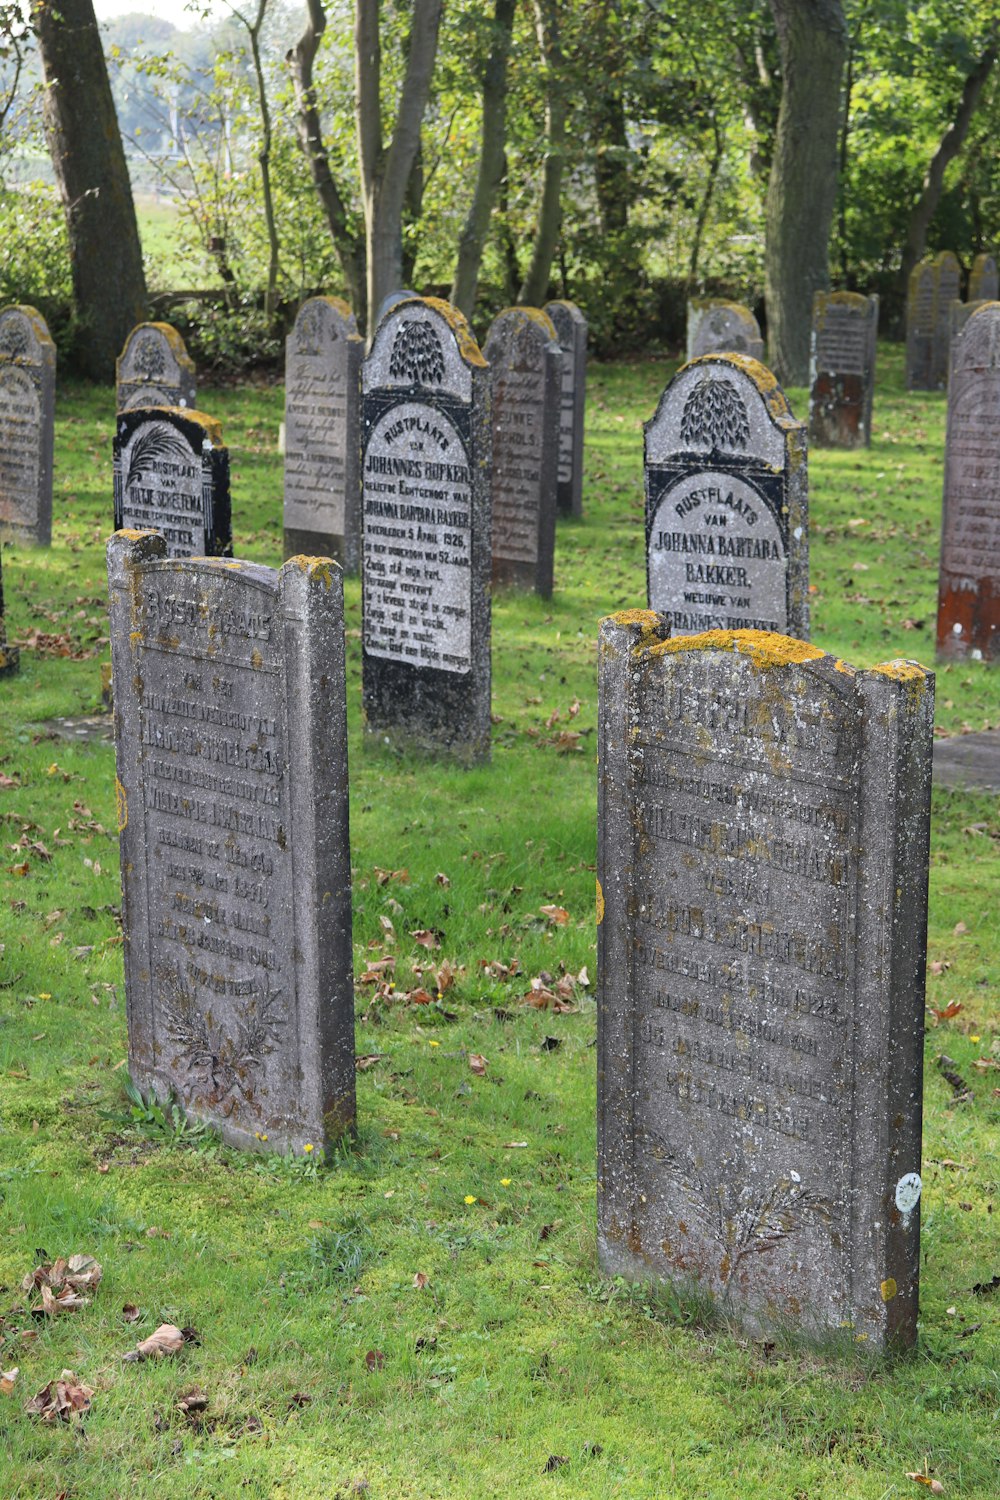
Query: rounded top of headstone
{"points": [[24, 335], [742, 313], [423, 343], [196, 426], [522, 322], [977, 345], [726, 405], [857, 301], [562, 307], [145, 356], [392, 300], [319, 322], [947, 260], [983, 261]]}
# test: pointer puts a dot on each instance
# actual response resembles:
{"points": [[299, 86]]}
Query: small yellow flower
{"points": [[470, 1198], [43, 995], [307, 1147], [433, 1044], [505, 1182], [973, 1039]]}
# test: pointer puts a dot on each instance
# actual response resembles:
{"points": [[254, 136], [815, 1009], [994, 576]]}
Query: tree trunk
{"points": [[109, 287], [802, 191], [264, 158], [348, 241], [706, 199], [950, 145], [385, 171], [491, 161], [534, 288]]}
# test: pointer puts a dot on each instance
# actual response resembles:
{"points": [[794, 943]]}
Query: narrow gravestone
{"points": [[718, 327], [27, 425], [959, 315], [727, 531], [9, 655], [762, 907], [934, 285], [323, 432], [571, 331], [842, 375], [155, 369], [172, 476], [968, 622], [526, 365], [231, 752], [426, 532], [984, 284]]}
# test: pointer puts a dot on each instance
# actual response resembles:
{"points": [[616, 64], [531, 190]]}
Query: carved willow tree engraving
{"points": [[715, 417], [417, 355]]}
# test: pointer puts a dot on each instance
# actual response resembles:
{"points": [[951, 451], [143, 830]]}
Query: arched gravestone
{"points": [[715, 326], [231, 759], [763, 822], [323, 356], [155, 369], [172, 476], [842, 374], [968, 622], [426, 532], [9, 655], [571, 331], [727, 530], [934, 285], [27, 425], [984, 284], [526, 366]]}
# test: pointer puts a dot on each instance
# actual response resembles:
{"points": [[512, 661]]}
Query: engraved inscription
{"points": [[842, 341], [971, 542], [162, 488], [316, 440], [518, 430], [20, 453]]}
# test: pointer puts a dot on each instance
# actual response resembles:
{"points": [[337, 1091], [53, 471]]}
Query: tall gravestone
{"points": [[968, 622], [171, 474], [960, 313], [715, 326], [155, 369], [426, 532], [934, 285], [27, 425], [526, 365], [9, 655], [984, 284], [571, 331], [231, 755], [762, 907], [323, 356], [842, 374], [727, 529]]}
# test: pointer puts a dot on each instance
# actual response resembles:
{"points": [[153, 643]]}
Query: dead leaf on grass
{"points": [[375, 1359], [131, 1313], [425, 937], [8, 1379], [934, 1485], [61, 1399], [420, 1280], [193, 1403], [166, 1340], [557, 915], [478, 1063], [362, 1064]]}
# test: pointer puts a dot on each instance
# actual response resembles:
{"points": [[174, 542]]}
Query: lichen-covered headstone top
{"points": [[984, 283], [716, 326], [27, 425], [155, 369], [172, 475]]}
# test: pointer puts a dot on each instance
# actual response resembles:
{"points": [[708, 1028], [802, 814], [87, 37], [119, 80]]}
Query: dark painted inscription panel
{"points": [[842, 341], [518, 417]]}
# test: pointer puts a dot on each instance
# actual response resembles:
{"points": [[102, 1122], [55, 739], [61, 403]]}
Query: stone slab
{"points": [[155, 369], [171, 474], [934, 285], [80, 729], [717, 326], [231, 759], [842, 370], [969, 761], [571, 331], [27, 425], [984, 282]]}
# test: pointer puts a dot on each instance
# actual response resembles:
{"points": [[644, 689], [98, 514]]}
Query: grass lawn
{"points": [[425, 1315]]}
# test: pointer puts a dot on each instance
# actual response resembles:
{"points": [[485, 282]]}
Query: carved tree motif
{"points": [[309, 332], [715, 417], [14, 340], [417, 355], [148, 358]]}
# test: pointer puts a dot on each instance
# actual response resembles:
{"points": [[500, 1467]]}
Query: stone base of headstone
{"points": [[534, 575], [317, 544], [836, 412], [422, 710]]}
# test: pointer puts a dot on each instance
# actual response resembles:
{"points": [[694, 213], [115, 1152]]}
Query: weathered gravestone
{"points": [[27, 425], [155, 369], [984, 283], [231, 752], [968, 622], [727, 531], [934, 285], [323, 432], [526, 365], [172, 475], [716, 326], [842, 374], [426, 532], [9, 655], [762, 909], [959, 315], [571, 331]]}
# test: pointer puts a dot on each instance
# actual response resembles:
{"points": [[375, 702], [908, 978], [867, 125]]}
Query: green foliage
{"points": [[164, 1120]]}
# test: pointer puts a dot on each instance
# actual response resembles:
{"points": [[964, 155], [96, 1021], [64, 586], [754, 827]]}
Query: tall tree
{"points": [[109, 286], [802, 190], [535, 286]]}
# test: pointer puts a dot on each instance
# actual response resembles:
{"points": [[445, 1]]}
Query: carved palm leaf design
{"points": [[417, 355], [154, 445], [227, 1058], [715, 417]]}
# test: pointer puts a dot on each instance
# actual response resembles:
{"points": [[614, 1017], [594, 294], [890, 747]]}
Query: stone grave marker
{"points": [[727, 531], [172, 476], [959, 315], [526, 364], [984, 284], [934, 285], [715, 326], [231, 757], [762, 906], [27, 425], [9, 655], [968, 621], [426, 532], [323, 356], [842, 374], [155, 369], [571, 331]]}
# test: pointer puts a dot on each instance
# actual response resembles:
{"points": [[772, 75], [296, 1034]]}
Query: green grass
{"points": [[517, 1349]]}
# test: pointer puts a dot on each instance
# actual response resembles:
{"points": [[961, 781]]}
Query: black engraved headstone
{"points": [[571, 331], [172, 476], [27, 425], [842, 373]]}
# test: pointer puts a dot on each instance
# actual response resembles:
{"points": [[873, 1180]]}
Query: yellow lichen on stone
{"points": [[649, 624], [467, 346], [600, 904], [888, 1289], [902, 671], [536, 315], [256, 660], [131, 534], [212, 428], [121, 804], [765, 648], [319, 568], [844, 666]]}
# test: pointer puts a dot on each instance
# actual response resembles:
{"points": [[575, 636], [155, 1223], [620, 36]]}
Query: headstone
{"points": [[727, 529], [526, 364], [231, 751], [842, 374], [172, 476], [959, 315], [426, 532], [715, 326], [934, 285], [155, 369], [393, 299], [762, 908], [968, 622], [9, 655], [571, 331], [323, 356], [984, 283], [27, 425]]}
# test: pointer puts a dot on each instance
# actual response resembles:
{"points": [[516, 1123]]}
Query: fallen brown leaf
{"points": [[425, 937], [8, 1379], [193, 1403], [478, 1063], [362, 1064], [131, 1313], [63, 1398], [420, 1280], [375, 1359], [166, 1340]]}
